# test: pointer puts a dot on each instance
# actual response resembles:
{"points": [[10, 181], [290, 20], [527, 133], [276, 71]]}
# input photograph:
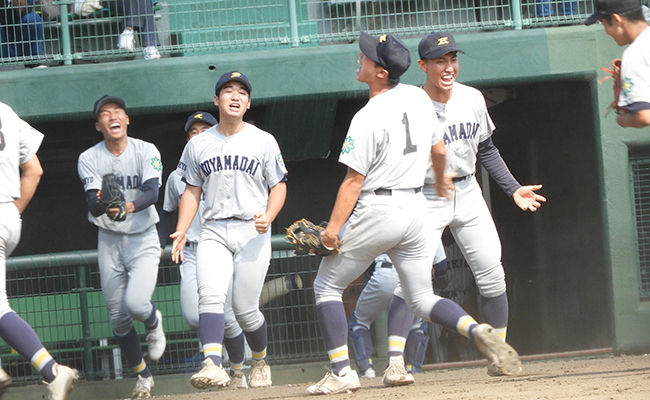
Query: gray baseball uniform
{"points": [[127, 251]]}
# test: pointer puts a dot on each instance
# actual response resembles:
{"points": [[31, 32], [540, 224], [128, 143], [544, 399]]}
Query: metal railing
{"points": [[59, 295], [55, 34]]}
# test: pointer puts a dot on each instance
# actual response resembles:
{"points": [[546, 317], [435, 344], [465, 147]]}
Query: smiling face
{"points": [[197, 128], [112, 121], [615, 30], [441, 74], [233, 100]]}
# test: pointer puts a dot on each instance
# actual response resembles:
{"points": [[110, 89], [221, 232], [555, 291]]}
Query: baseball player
{"points": [[128, 251], [625, 22], [375, 298], [20, 173], [388, 146], [234, 340], [239, 170], [468, 129]]}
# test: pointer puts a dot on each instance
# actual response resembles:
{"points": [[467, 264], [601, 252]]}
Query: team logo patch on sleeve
{"points": [[348, 145], [156, 164], [626, 85], [280, 159]]}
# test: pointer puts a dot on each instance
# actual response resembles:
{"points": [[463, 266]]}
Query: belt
{"points": [[389, 192], [386, 265], [190, 244], [461, 178]]}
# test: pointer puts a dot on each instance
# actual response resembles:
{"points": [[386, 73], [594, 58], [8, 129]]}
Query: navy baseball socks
{"points": [[212, 374], [400, 319], [333, 326], [260, 375]]}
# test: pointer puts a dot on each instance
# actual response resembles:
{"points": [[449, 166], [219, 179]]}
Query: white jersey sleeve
{"points": [[19, 142], [389, 140], [635, 74]]}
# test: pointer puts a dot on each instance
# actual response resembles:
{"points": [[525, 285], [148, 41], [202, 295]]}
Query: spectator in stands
{"points": [[21, 31], [545, 9], [138, 17]]}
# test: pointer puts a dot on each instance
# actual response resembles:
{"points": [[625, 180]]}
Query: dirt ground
{"points": [[607, 378]]}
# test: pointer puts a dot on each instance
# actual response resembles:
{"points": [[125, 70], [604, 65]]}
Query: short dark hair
{"points": [[632, 16], [392, 81]]}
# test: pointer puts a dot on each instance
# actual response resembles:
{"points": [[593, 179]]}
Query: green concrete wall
{"points": [[572, 267]]}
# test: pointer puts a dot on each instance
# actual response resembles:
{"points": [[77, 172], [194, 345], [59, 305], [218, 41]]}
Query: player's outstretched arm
{"points": [[639, 119], [32, 172], [277, 196], [186, 211], [346, 199], [526, 198]]}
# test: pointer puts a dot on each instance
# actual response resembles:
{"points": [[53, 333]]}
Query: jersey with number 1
{"points": [[139, 162], [18, 144], [467, 123], [235, 172], [389, 140], [635, 74]]}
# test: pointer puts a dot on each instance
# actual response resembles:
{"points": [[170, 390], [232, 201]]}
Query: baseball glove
{"points": [[616, 76], [305, 237], [112, 196]]}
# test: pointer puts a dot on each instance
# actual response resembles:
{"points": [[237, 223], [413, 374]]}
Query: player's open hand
{"points": [[178, 245], [262, 222], [526, 198], [445, 187]]}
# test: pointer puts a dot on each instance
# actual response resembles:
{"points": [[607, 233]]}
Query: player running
{"points": [[389, 143], [624, 21], [128, 251], [467, 136], [234, 340], [239, 170], [20, 173]]}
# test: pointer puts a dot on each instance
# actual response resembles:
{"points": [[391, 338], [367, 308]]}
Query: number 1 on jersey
{"points": [[410, 148]]}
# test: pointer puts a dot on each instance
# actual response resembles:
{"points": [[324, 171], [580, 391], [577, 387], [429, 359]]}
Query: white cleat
{"points": [[395, 374], [143, 388], [238, 379], [126, 40], [63, 383], [156, 341], [502, 358], [332, 384], [369, 373], [209, 376], [260, 375], [151, 53]]}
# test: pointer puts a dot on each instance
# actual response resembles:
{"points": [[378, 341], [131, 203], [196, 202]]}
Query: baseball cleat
{"points": [[369, 373], [5, 381], [238, 379], [502, 358], [151, 53], [395, 374], [332, 384], [260, 375], [143, 388], [156, 341], [63, 383], [126, 40], [210, 376]]}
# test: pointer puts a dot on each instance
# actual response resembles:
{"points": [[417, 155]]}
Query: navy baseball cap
{"points": [[200, 116], [105, 99], [436, 45], [233, 76], [609, 7], [388, 51]]}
